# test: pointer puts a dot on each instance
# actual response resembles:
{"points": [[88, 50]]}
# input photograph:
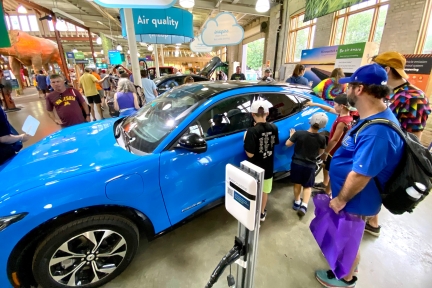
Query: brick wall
{"points": [[402, 25]]}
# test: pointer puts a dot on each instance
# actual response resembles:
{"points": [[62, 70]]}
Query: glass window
{"points": [[427, 49], [50, 25], [228, 116], [425, 36], [15, 23], [363, 22], [151, 124], [24, 23], [34, 25], [70, 27], [7, 23], [281, 105], [301, 35]]}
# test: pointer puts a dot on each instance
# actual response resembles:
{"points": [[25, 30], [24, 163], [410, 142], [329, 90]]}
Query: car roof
{"points": [[167, 76], [220, 86]]}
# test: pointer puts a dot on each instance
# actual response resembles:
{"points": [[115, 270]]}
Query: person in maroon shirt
{"points": [[68, 102]]}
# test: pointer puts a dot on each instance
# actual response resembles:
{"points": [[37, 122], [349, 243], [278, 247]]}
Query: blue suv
{"points": [[74, 205]]}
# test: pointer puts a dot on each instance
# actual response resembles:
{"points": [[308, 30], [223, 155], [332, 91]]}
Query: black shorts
{"points": [[107, 89], [303, 175], [94, 99], [44, 91], [327, 163]]}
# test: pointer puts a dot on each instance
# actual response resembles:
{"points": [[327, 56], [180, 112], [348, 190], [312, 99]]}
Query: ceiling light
{"points": [[95, 54], [102, 52], [262, 6], [99, 40], [178, 44], [74, 50], [128, 51], [187, 3], [119, 48], [142, 44], [176, 53], [138, 54], [21, 9], [177, 48], [150, 47]]}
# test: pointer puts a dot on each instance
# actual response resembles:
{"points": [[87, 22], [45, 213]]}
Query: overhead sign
{"points": [[318, 8], [114, 57], [167, 26], [149, 4], [79, 55], [223, 30], [198, 46], [81, 61], [102, 65], [70, 55]]}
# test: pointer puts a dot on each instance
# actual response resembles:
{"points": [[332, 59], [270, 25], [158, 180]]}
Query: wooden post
{"points": [[91, 45], [61, 51]]}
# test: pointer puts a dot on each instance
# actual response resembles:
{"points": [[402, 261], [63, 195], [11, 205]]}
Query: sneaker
{"points": [[320, 186], [297, 206], [375, 231], [302, 211], [328, 279], [263, 216]]}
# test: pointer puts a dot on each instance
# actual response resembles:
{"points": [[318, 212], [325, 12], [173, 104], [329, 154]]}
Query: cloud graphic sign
{"points": [[198, 46], [150, 4], [222, 30]]}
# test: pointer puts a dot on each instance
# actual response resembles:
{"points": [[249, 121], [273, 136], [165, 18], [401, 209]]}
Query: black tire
{"points": [[123, 229]]}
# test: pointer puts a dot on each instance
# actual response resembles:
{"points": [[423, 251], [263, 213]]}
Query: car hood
{"points": [[211, 66], [69, 152]]}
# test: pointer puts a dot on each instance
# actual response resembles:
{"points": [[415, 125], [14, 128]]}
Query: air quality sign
{"points": [[167, 26]]}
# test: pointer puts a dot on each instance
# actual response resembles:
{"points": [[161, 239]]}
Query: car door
{"points": [[189, 181], [284, 111]]}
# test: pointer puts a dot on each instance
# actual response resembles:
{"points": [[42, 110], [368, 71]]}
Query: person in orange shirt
{"points": [[98, 86]]}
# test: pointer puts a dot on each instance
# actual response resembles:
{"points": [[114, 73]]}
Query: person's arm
{"points": [[95, 80], [83, 104], [52, 116], [155, 90], [318, 90], [249, 144], [334, 140], [324, 107], [11, 139], [136, 101], [293, 138], [50, 108], [116, 106]]}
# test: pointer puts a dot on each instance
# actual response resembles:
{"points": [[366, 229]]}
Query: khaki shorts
{"points": [[268, 185]]}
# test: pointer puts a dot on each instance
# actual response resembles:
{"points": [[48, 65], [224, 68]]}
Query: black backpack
{"points": [[415, 166]]}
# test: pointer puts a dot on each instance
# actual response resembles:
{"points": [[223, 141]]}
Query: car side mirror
{"points": [[192, 142]]}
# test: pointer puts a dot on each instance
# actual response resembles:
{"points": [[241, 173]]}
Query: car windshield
{"points": [[153, 122]]}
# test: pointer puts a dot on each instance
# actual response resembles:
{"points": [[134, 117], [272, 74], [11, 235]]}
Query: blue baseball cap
{"points": [[368, 74]]}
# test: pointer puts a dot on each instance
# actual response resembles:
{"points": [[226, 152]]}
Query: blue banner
{"points": [[161, 26], [114, 57]]}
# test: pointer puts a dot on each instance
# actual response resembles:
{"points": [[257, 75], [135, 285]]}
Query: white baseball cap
{"points": [[319, 118], [259, 104]]}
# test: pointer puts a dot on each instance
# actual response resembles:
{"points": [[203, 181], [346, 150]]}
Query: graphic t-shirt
{"points": [[67, 105], [410, 106], [376, 153], [307, 146], [328, 90], [347, 120], [260, 140], [239, 76]]}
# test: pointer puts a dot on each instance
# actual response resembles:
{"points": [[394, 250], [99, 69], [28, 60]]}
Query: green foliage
{"points": [[318, 8], [255, 54]]}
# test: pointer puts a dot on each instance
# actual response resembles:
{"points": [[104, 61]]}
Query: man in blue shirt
{"points": [[374, 153]]}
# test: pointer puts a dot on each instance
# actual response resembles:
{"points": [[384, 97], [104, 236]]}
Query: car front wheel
{"points": [[87, 252]]}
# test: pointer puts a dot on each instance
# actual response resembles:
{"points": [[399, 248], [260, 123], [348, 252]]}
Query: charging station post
{"points": [[243, 188]]}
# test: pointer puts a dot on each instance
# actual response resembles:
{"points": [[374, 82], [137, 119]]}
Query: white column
{"points": [[162, 55], [130, 32], [156, 60]]}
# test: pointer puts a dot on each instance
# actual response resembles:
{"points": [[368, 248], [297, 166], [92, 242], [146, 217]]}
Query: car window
{"points": [[226, 117], [198, 79], [281, 105], [167, 85], [179, 80]]}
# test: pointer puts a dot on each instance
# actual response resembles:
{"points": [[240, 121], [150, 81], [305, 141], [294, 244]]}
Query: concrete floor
{"points": [[288, 254]]}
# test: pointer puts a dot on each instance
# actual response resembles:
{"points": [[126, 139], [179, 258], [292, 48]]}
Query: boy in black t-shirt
{"points": [[259, 143], [308, 146]]}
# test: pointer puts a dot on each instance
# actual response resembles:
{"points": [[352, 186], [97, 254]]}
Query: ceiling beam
{"points": [[201, 4], [83, 39]]}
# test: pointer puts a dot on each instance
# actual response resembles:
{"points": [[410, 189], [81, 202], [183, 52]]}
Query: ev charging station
{"points": [[243, 188]]}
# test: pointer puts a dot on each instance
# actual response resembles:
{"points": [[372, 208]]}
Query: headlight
{"points": [[8, 220]]}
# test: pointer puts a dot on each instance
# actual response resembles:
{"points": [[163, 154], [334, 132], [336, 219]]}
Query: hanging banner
{"points": [[419, 68], [223, 30], [318, 8], [79, 55], [70, 55], [106, 43], [198, 46], [114, 57], [156, 26], [148, 4], [4, 41], [351, 56]]}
